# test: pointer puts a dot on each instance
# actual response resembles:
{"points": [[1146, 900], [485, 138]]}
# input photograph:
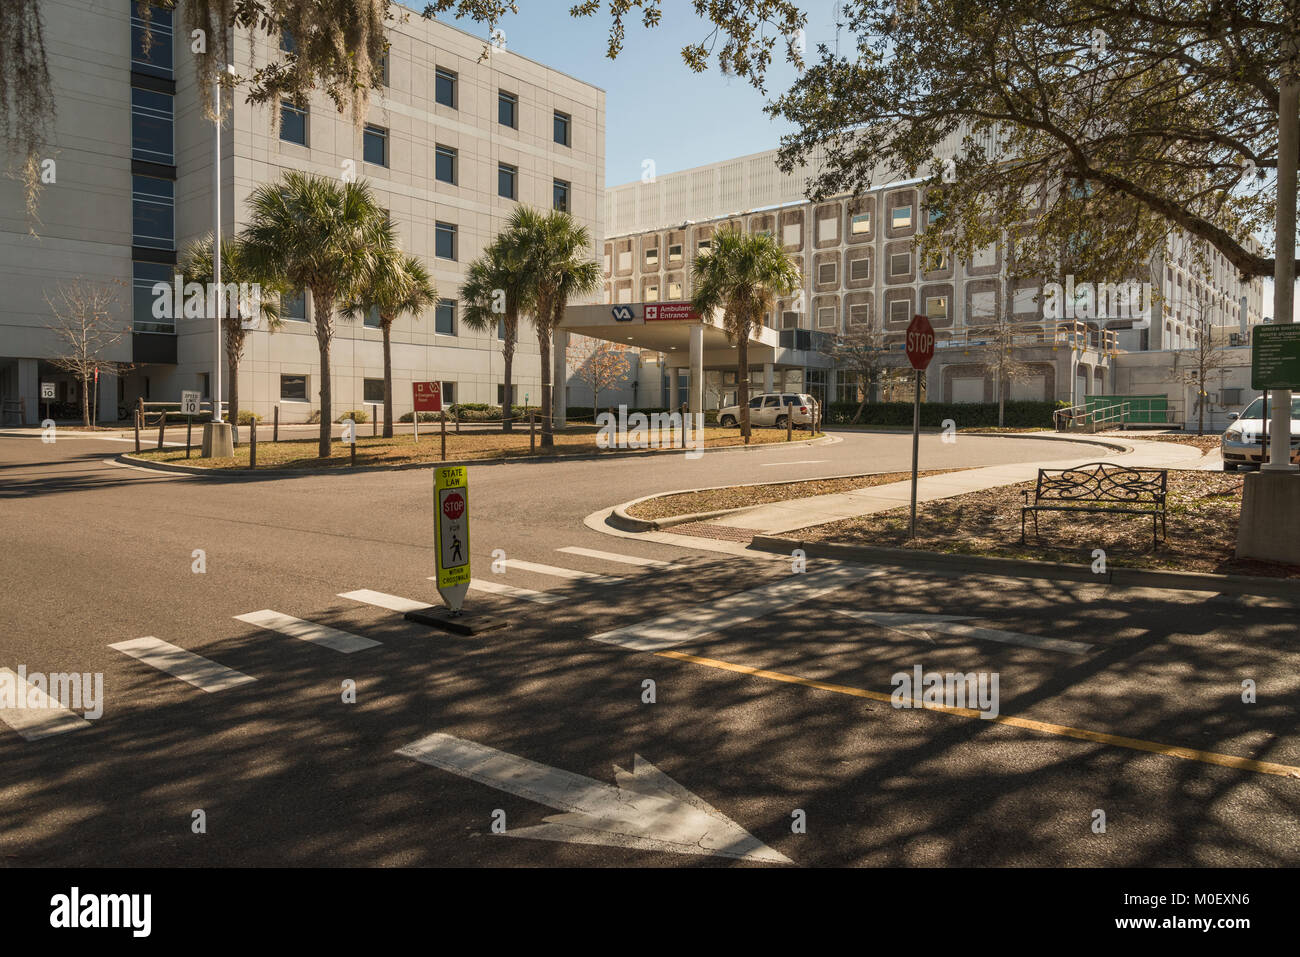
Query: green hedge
{"points": [[1020, 415]]}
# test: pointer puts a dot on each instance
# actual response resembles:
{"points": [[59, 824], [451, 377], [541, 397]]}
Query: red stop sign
{"points": [[453, 506], [920, 342]]}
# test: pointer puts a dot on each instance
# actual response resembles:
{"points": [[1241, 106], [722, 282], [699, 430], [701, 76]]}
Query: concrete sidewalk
{"points": [[781, 517]]}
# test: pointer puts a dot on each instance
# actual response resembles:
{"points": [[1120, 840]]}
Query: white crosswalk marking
{"points": [[203, 673], [36, 715], [697, 620], [382, 600], [512, 591], [616, 557], [557, 572], [324, 635]]}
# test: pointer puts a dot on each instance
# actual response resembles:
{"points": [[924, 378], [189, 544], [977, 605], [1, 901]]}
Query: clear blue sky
{"points": [[656, 108]]}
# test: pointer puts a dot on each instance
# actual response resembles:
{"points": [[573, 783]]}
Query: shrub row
{"points": [[1019, 414]]}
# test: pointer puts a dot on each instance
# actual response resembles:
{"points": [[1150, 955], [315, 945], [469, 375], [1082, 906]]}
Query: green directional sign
{"points": [[1275, 356]]}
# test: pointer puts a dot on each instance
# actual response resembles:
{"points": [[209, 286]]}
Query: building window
{"points": [[153, 212], [293, 123], [371, 318], [501, 329], [444, 165], [144, 276], [444, 317], [205, 385], [506, 176], [562, 123], [860, 269], [651, 257], [675, 253], [375, 145], [674, 291], [444, 241], [383, 68], [826, 317], [158, 61], [560, 195], [703, 245], [826, 273], [789, 319], [507, 109], [514, 393], [859, 314], [936, 307], [293, 306], [652, 293], [861, 224], [293, 388], [901, 217], [1232, 397], [900, 264], [152, 122], [372, 390], [444, 88], [937, 262], [287, 43], [899, 310], [448, 394]]}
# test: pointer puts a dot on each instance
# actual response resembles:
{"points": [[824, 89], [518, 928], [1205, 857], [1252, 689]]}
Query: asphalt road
{"points": [[767, 703]]}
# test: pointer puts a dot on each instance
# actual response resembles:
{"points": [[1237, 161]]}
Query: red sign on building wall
{"points": [[663, 311]]}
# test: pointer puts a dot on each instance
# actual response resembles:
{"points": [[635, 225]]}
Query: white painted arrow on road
{"points": [[951, 625], [646, 809]]}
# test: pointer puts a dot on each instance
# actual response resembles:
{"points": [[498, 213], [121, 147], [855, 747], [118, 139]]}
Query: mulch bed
{"points": [[1203, 512]]}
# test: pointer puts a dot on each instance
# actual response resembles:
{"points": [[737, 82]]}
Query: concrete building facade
{"points": [[451, 145], [861, 269]]}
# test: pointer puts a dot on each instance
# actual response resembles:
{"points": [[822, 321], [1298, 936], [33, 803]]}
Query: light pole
{"points": [[218, 437]]}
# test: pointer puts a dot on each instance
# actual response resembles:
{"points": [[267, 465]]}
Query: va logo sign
{"points": [[623, 313]]}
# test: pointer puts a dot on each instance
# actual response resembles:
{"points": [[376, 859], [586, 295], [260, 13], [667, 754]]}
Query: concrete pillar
{"points": [[696, 397], [560, 380], [29, 389], [673, 391], [768, 385], [107, 396]]}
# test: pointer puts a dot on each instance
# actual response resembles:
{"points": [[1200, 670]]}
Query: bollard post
{"points": [[189, 429], [442, 417], [532, 432], [374, 420], [353, 447], [789, 422], [456, 413], [162, 425], [252, 444], [137, 430], [275, 434]]}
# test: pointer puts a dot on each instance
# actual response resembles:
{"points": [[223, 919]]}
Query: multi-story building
{"points": [[451, 145], [860, 269]]}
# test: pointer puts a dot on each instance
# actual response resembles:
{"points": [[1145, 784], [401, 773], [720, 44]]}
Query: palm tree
{"points": [[742, 274], [396, 285], [498, 288], [558, 267], [316, 233], [236, 269]]}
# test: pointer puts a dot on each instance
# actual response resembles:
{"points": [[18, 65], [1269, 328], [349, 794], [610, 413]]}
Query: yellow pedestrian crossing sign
{"points": [[451, 534]]}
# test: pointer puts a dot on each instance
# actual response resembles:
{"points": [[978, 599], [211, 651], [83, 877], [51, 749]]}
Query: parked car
{"points": [[770, 408], [1241, 441]]}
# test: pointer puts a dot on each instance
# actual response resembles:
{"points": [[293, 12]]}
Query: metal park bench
{"points": [[1102, 488]]}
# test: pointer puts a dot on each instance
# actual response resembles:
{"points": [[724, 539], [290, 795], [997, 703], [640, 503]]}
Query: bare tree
{"points": [[998, 359], [860, 349], [1194, 366], [87, 326], [599, 365]]}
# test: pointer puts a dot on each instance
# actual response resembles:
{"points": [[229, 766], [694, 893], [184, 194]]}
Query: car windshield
{"points": [[1256, 409]]}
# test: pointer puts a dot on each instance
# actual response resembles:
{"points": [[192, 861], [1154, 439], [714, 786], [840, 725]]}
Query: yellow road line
{"points": [[1044, 727]]}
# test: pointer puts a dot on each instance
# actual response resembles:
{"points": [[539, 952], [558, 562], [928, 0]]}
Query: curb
{"points": [[1024, 568], [128, 458], [1114, 445]]}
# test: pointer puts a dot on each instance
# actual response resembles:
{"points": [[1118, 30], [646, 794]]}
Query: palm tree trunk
{"points": [[742, 382], [232, 369], [544, 346], [508, 357], [388, 380], [323, 314]]}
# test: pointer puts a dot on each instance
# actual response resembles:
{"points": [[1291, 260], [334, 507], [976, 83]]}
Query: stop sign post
{"points": [[920, 350]]}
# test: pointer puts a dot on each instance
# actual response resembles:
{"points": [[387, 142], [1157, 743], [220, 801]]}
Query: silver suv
{"points": [[772, 408]]}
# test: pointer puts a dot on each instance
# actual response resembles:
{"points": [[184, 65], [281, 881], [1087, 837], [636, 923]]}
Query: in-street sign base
{"points": [[437, 616]]}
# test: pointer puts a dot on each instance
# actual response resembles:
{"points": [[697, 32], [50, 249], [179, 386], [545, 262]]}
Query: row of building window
{"points": [[294, 388]]}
